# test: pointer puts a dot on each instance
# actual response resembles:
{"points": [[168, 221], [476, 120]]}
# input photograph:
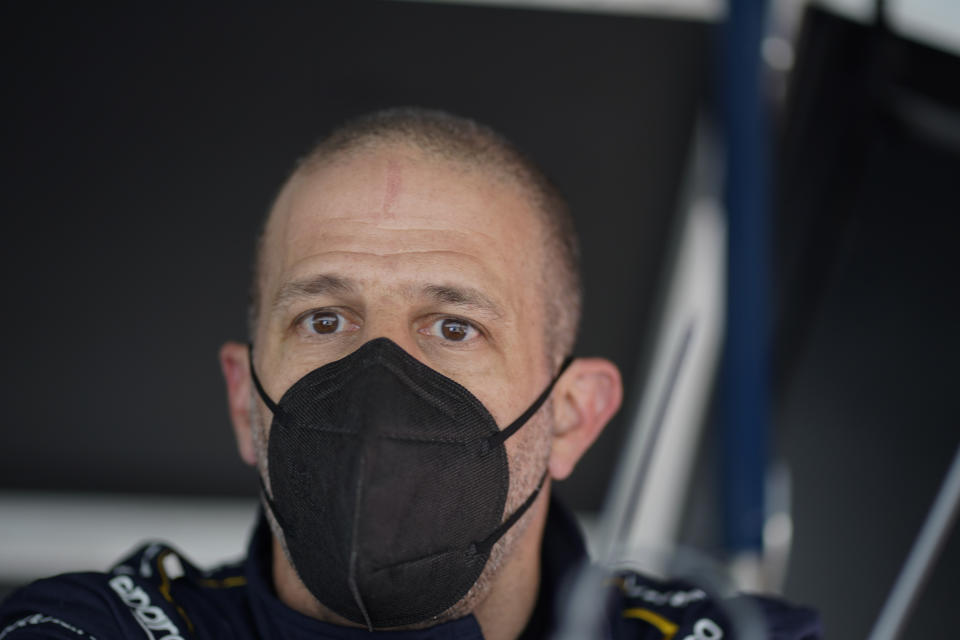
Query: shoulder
{"points": [[153, 593], [649, 608], [66, 606]]}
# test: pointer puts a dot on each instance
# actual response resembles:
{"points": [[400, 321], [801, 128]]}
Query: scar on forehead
{"points": [[393, 187]]}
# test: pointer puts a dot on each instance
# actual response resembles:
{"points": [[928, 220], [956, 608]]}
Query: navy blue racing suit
{"points": [[155, 594]]}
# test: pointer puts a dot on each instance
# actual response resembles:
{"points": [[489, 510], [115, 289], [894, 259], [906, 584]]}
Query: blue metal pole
{"points": [[745, 385]]}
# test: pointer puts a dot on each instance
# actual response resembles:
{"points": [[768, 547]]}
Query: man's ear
{"points": [[586, 397], [235, 364]]}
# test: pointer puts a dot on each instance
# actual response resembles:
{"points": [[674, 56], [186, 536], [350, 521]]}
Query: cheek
{"points": [[260, 420], [522, 375], [507, 395], [534, 438], [528, 452], [498, 401]]}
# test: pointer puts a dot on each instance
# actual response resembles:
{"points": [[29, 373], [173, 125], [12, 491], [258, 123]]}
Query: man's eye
{"points": [[323, 322], [453, 330]]}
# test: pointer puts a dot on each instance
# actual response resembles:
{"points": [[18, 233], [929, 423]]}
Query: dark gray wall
{"points": [[141, 146]]}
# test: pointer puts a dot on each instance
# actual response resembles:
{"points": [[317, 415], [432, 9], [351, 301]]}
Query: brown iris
{"points": [[454, 330], [325, 322]]}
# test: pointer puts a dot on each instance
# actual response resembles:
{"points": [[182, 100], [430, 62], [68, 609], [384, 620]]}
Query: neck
{"points": [[502, 614]]}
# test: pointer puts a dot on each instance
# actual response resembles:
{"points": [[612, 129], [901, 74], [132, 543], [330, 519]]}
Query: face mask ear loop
{"points": [[276, 412], [287, 531], [484, 546], [501, 436], [274, 409]]}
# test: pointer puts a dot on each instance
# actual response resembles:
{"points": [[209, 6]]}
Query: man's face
{"points": [[446, 260], [443, 259]]}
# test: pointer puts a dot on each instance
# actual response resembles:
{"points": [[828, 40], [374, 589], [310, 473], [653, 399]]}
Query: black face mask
{"points": [[389, 482]]}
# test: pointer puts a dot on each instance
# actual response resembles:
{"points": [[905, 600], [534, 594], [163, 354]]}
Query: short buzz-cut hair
{"points": [[475, 145]]}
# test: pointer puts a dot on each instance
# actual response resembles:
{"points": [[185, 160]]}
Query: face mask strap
{"points": [[484, 546], [273, 508], [500, 437], [274, 409]]}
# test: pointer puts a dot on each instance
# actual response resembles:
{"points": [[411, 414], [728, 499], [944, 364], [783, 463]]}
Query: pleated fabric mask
{"points": [[389, 482]]}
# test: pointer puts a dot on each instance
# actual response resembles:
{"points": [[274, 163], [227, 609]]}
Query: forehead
{"points": [[395, 212]]}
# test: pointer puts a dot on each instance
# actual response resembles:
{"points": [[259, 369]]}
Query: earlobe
{"points": [[587, 396], [234, 363]]}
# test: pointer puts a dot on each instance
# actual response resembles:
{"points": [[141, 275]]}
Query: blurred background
{"points": [[141, 146]]}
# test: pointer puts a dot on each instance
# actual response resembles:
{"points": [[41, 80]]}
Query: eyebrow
{"points": [[329, 284], [318, 285], [462, 297]]}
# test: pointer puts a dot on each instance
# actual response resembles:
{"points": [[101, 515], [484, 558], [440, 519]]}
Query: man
{"points": [[407, 402]]}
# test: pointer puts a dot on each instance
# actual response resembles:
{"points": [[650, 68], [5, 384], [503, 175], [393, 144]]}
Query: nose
{"points": [[396, 329]]}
